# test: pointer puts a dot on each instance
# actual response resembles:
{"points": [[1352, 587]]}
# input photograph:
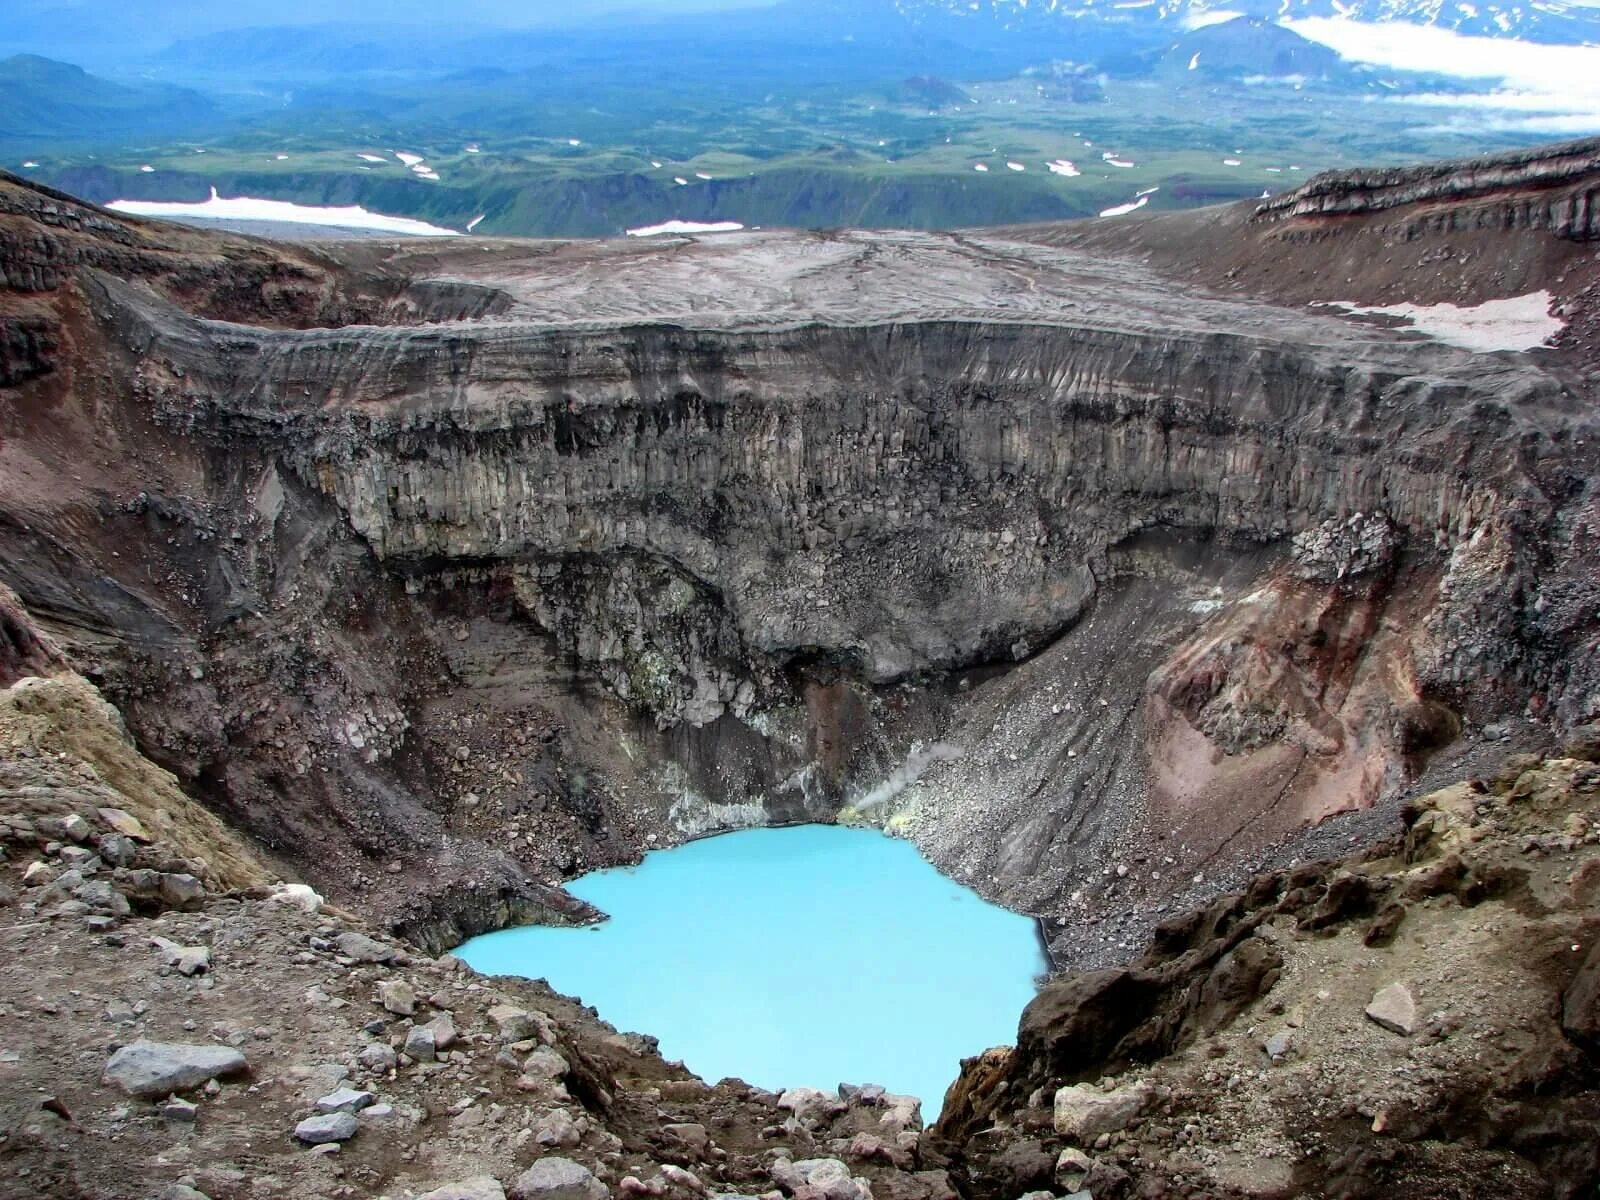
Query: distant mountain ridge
{"points": [[1548, 21], [44, 99]]}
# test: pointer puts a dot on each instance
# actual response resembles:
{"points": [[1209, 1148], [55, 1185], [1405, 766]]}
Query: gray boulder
{"points": [[363, 949], [377, 1057], [420, 1044], [345, 1100], [558, 1179], [483, 1187], [152, 1069], [327, 1127]]}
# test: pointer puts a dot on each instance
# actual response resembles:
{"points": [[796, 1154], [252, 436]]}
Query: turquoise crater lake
{"points": [[805, 956]]}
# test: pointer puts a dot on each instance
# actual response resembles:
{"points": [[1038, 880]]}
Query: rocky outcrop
{"points": [[1559, 181], [1400, 1021]]}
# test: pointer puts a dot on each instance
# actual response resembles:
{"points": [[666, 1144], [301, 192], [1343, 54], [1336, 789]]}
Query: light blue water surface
{"points": [[805, 956]]}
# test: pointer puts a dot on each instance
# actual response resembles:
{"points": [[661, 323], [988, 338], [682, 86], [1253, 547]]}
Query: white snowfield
{"points": [[1064, 167], [1516, 323], [686, 227], [249, 208], [1122, 210]]}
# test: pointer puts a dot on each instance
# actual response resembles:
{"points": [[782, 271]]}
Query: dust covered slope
{"points": [[1457, 233]]}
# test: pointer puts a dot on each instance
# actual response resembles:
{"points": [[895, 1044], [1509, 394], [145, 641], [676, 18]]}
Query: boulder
{"points": [[443, 1028], [810, 1104], [327, 1127], [1395, 1009], [181, 891], [152, 1069], [558, 1179], [514, 1024], [345, 1100], [1083, 1113], [125, 823], [420, 1045], [188, 960], [397, 996], [557, 1128], [691, 1136], [377, 1057], [1072, 1168], [362, 948], [296, 895], [545, 1063], [827, 1178], [482, 1187]]}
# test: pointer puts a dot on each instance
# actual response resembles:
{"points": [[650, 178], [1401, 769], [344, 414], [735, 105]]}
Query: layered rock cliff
{"points": [[1096, 583]]}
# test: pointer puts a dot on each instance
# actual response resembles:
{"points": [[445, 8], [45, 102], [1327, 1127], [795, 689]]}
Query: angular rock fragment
{"points": [[345, 1100], [558, 1179], [325, 1128], [187, 960], [1395, 1009], [420, 1044], [125, 823], [363, 949], [825, 1177], [151, 1069], [397, 996], [481, 1187], [519, 1025], [1084, 1113]]}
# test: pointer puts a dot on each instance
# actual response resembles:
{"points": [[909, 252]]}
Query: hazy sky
{"points": [[97, 30]]}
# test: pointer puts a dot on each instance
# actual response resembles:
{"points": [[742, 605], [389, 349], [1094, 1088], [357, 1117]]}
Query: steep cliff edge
{"points": [[1097, 583], [1416, 1020]]}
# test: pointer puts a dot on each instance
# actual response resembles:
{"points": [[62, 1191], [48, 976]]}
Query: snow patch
{"points": [[1063, 166], [148, 169], [1232, 162], [1195, 61], [686, 227], [1517, 323], [249, 208], [980, 166], [377, 158], [473, 224], [1199, 20], [1122, 210], [1015, 166], [410, 160]]}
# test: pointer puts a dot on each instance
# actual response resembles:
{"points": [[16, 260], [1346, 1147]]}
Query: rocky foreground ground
{"points": [[176, 1022]]}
